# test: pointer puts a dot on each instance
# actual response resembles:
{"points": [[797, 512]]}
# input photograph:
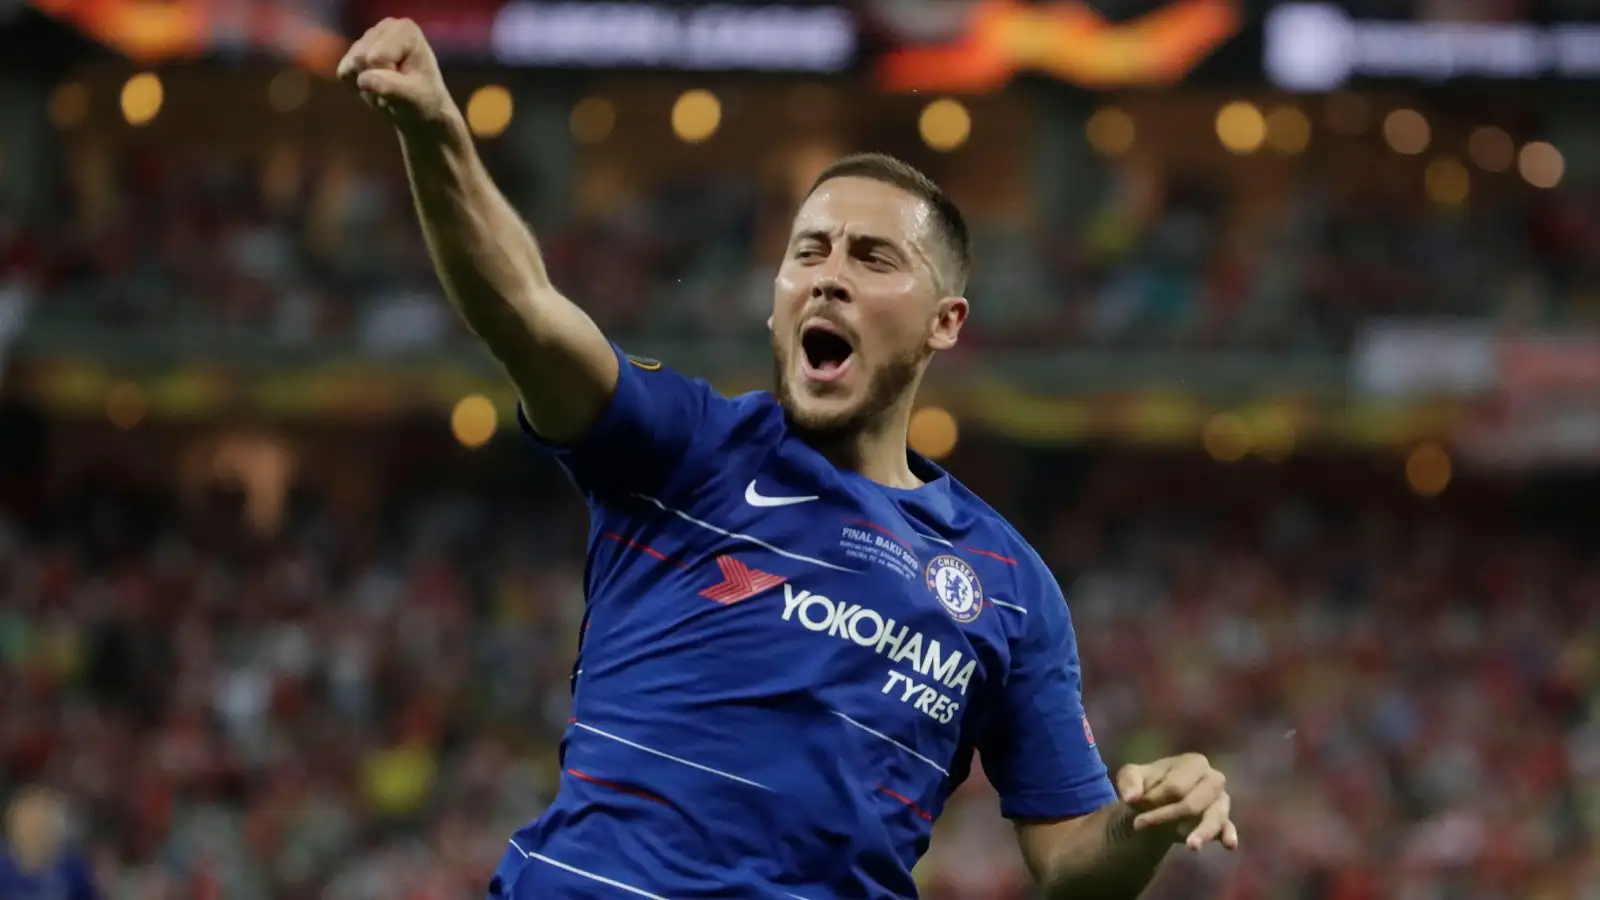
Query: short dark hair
{"points": [[947, 218]]}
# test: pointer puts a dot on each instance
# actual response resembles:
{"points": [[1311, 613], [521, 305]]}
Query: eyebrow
{"points": [[911, 253], [866, 240]]}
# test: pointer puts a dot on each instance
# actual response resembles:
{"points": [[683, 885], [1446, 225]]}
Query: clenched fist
{"points": [[395, 70]]}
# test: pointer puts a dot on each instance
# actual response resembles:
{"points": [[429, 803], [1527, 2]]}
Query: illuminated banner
{"points": [[1550, 364], [1516, 435], [801, 36], [703, 38], [189, 29], [1397, 358], [1318, 46], [1400, 359], [1067, 40]]}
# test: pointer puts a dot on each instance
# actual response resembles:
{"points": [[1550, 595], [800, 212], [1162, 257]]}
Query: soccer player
{"points": [[36, 861], [797, 632]]}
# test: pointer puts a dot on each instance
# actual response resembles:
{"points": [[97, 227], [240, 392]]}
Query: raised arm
{"points": [[486, 257]]}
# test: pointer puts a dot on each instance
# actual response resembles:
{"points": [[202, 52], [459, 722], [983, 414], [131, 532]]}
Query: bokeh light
{"points": [[592, 120], [944, 124], [1241, 127], [1428, 469], [1447, 182], [1111, 131], [473, 421], [289, 90], [489, 111], [142, 96], [933, 432], [125, 405], [69, 104], [1541, 164], [1407, 131], [696, 116], [1288, 130], [1226, 437], [1491, 149]]}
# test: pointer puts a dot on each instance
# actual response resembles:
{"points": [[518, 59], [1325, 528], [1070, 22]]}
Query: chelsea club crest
{"points": [[956, 585]]}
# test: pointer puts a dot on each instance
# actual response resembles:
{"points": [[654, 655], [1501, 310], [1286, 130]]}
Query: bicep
{"points": [[640, 438], [489, 264], [564, 369]]}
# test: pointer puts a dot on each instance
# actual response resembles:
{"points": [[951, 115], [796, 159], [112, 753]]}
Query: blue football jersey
{"points": [[67, 878], [785, 667]]}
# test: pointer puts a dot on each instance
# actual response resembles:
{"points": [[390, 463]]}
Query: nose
{"points": [[830, 283], [828, 287]]}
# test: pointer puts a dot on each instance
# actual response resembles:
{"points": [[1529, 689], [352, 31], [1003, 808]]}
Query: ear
{"points": [[949, 316], [769, 323]]}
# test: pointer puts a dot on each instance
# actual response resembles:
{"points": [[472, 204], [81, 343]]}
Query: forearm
{"points": [[1102, 858], [486, 258], [489, 264]]}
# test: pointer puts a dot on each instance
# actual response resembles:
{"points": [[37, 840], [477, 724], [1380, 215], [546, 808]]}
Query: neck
{"points": [[878, 451]]}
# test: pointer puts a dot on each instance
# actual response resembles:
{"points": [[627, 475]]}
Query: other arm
{"points": [[1115, 852], [487, 260], [1094, 857], [1080, 836]]}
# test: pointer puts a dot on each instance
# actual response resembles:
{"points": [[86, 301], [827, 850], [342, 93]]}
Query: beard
{"points": [[885, 386]]}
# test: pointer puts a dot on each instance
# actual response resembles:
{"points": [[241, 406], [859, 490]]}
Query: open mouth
{"points": [[826, 353]]}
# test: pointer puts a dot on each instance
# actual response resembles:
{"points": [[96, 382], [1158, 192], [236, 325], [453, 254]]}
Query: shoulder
{"points": [[753, 404], [993, 536], [717, 412], [751, 416], [738, 424]]}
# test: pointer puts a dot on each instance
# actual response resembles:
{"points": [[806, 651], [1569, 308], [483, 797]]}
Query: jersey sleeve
{"points": [[1038, 750], [643, 439]]}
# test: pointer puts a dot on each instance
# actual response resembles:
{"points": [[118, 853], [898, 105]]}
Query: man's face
{"points": [[35, 826], [857, 308]]}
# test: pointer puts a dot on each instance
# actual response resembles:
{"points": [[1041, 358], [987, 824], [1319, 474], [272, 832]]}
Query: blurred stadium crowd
{"points": [[295, 245], [358, 699], [360, 708]]}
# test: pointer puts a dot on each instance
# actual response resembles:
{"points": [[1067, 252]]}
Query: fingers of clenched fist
{"points": [[1183, 795], [394, 69]]}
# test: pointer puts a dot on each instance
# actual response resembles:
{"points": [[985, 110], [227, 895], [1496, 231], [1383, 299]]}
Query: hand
{"points": [[395, 70], [1183, 795]]}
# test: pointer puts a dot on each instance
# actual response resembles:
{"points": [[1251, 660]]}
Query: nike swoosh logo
{"points": [[756, 498]]}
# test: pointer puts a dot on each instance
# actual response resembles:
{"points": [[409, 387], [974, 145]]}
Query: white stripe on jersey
{"points": [[610, 882], [879, 734], [601, 878], [745, 537], [787, 554], [677, 759]]}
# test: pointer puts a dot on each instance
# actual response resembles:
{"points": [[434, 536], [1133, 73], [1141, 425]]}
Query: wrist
{"points": [[446, 132], [1121, 832], [1119, 825], [1108, 858]]}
